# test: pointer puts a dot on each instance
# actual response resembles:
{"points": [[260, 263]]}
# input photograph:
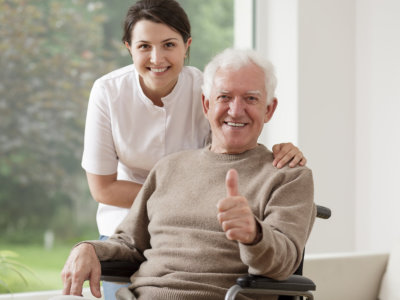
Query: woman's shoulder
{"points": [[192, 72], [118, 74], [117, 80]]}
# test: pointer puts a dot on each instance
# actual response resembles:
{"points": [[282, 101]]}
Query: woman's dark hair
{"points": [[168, 12]]}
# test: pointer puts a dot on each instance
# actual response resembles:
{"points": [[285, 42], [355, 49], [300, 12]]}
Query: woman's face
{"points": [[158, 53]]}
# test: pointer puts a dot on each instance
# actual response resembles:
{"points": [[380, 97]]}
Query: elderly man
{"points": [[205, 217]]}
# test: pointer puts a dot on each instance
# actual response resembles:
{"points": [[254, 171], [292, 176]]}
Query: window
{"points": [[51, 52]]}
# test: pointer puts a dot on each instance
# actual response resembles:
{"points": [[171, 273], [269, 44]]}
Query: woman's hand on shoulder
{"points": [[287, 153]]}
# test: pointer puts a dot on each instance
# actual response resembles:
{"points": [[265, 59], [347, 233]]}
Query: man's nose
{"points": [[236, 107]]}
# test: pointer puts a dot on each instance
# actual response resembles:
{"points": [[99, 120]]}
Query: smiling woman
{"points": [[157, 51]]}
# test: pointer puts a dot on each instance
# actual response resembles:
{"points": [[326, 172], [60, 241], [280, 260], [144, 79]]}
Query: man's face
{"points": [[237, 109]]}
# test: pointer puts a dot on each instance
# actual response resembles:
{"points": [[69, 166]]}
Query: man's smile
{"points": [[235, 124]]}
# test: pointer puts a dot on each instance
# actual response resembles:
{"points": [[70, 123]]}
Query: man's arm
{"points": [[286, 224], [127, 243], [273, 246]]}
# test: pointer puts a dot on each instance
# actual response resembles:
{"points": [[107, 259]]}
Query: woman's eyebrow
{"points": [[163, 41]]}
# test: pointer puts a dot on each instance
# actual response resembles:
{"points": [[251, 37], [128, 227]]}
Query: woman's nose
{"points": [[156, 56]]}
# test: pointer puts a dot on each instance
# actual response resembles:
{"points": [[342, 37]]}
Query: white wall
{"points": [[277, 38], [378, 124], [347, 90], [316, 99], [326, 37], [243, 24]]}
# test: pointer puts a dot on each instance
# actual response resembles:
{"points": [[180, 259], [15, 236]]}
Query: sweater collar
{"points": [[232, 157]]}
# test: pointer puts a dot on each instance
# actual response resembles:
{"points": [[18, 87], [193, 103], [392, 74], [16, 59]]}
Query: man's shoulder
{"points": [[265, 158], [292, 174]]}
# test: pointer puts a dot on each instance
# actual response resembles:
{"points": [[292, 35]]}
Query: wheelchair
{"points": [[293, 288]]}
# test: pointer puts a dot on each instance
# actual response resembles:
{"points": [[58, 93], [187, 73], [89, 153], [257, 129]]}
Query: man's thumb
{"points": [[231, 183]]}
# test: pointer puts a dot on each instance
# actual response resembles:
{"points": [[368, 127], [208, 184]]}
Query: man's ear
{"points": [[270, 110], [206, 104]]}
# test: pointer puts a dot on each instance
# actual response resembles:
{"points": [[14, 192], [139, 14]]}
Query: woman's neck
{"points": [[155, 95]]}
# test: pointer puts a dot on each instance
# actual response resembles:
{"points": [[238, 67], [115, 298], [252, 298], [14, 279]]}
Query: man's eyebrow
{"points": [[223, 92], [163, 41], [254, 92]]}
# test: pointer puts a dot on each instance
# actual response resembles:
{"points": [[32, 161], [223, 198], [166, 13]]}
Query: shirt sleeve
{"points": [[99, 154], [288, 219]]}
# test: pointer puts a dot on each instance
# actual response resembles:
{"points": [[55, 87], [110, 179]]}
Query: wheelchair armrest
{"points": [[323, 212], [117, 271], [293, 283]]}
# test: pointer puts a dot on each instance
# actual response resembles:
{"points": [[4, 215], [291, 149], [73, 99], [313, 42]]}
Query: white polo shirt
{"points": [[126, 133]]}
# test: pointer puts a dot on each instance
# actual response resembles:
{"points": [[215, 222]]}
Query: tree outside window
{"points": [[51, 51]]}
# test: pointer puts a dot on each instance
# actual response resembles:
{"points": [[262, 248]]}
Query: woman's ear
{"points": [[128, 46], [187, 45]]}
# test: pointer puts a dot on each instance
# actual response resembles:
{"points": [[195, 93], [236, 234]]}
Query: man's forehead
{"points": [[247, 79]]}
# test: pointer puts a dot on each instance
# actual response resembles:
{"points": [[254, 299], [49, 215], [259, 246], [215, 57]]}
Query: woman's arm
{"points": [[287, 153], [108, 190]]}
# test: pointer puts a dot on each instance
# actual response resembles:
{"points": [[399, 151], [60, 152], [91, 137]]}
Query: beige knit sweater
{"points": [[173, 231]]}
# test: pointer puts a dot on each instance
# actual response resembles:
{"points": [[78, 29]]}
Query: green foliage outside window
{"points": [[51, 51], [10, 267]]}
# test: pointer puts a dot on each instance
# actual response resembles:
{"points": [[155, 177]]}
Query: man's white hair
{"points": [[234, 59]]}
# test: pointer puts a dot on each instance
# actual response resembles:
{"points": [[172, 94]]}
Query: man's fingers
{"points": [[95, 283], [231, 183], [237, 234], [67, 287], [234, 223], [231, 203], [76, 286], [233, 208], [66, 277]]}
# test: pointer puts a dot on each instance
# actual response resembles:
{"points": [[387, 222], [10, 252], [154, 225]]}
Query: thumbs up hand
{"points": [[234, 213]]}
